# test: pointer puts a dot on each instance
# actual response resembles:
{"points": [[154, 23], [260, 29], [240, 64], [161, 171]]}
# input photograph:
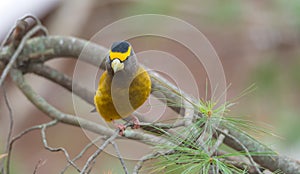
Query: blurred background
{"points": [[257, 42]]}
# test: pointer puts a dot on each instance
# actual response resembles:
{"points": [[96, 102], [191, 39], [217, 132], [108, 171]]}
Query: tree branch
{"points": [[11, 125], [99, 150], [18, 51], [58, 149], [50, 47], [61, 79], [82, 152], [119, 156], [17, 137]]}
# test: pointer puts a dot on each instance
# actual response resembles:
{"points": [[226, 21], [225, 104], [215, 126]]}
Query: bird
{"points": [[123, 87]]}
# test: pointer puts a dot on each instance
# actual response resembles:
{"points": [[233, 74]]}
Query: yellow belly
{"points": [[120, 103]]}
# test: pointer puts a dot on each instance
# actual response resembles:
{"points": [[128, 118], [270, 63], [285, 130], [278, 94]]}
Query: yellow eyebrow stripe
{"points": [[119, 55]]}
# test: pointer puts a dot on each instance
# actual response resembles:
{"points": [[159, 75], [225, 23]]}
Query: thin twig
{"points": [[57, 149], [82, 152], [19, 50], [218, 143], [145, 158], [11, 123], [38, 165], [202, 138], [158, 125], [11, 120], [3, 155], [20, 135], [194, 131], [161, 128], [34, 18], [119, 156], [92, 165], [99, 150], [12, 30], [242, 145], [240, 165], [188, 113]]}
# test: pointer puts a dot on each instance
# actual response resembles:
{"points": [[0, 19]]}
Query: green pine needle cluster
{"points": [[193, 148]]}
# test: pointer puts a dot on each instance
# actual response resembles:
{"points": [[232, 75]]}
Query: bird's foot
{"points": [[136, 123], [121, 128]]}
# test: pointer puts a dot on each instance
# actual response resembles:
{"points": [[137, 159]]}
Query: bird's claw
{"points": [[136, 123], [121, 128]]}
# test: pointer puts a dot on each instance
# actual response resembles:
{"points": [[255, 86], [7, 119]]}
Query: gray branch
{"points": [[41, 49]]}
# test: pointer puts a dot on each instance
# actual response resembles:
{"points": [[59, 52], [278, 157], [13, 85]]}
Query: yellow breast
{"points": [[120, 103]]}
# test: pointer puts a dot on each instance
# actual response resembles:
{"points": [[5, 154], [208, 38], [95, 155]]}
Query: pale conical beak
{"points": [[117, 65]]}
